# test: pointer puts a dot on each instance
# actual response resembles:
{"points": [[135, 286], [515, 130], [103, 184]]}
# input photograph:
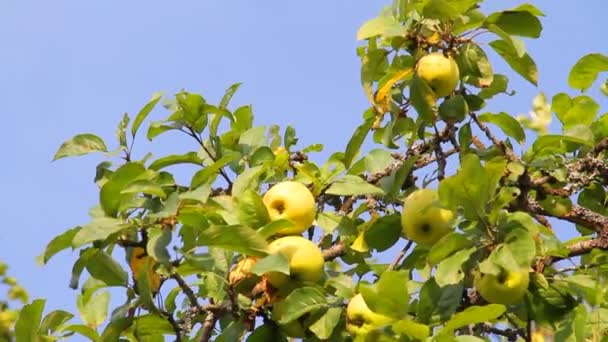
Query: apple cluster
{"points": [[293, 202], [424, 221]]}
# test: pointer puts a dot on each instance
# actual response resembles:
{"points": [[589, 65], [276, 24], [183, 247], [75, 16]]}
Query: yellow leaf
{"points": [[386, 87]]}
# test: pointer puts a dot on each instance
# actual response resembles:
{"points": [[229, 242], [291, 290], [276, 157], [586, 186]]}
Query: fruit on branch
{"points": [[305, 260], [423, 220], [509, 287], [439, 72], [138, 259], [292, 201], [7, 321], [361, 320], [294, 328]]}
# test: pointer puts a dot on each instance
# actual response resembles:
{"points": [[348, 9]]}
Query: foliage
{"points": [[207, 238]]}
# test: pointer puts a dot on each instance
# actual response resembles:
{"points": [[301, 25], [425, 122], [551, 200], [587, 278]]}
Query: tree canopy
{"points": [[264, 242]]}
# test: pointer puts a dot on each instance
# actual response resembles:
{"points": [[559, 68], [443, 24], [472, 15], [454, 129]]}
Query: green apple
{"points": [[305, 260], [505, 288], [361, 320], [292, 201], [439, 72], [423, 220]]}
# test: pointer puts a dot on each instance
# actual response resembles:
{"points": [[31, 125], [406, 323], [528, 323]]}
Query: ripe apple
{"points": [[292, 201], [305, 260], [361, 320], [423, 220], [137, 260], [506, 288], [439, 72]]}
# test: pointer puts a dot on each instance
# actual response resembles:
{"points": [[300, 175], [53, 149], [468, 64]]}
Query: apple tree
{"points": [[458, 224]]}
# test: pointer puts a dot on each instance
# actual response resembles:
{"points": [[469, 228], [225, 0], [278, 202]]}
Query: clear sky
{"points": [[69, 67]]}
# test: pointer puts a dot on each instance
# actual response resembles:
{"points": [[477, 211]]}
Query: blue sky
{"points": [[71, 66]]}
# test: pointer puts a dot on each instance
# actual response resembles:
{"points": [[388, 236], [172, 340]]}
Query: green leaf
{"points": [[498, 85], [302, 301], [474, 65], [28, 322], [449, 271], [228, 94], [355, 142], [423, 99], [377, 160], [384, 233], [99, 228], [251, 210], [93, 311], [389, 295], [144, 186], [248, 180], [443, 301], [549, 142], [266, 332], [453, 109], [159, 127], [152, 324], [585, 71], [158, 241], [329, 221], [85, 331], [188, 158], [289, 138], [386, 26], [274, 227], [580, 110], [109, 195], [412, 329], [261, 155], [192, 111], [59, 243], [121, 132], [235, 238], [518, 23], [54, 320], [352, 185], [204, 175], [271, 263], [243, 119], [252, 139], [507, 124], [473, 315], [523, 65], [446, 246], [79, 145], [103, 267], [79, 265], [115, 328], [144, 112], [446, 9], [458, 190], [324, 326]]}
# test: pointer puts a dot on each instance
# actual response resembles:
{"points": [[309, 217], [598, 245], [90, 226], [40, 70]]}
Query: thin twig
{"points": [[400, 256]]}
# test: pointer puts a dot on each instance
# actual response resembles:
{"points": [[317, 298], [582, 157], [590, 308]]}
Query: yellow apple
{"points": [[439, 72], [423, 220], [506, 288], [292, 201], [361, 320], [137, 260], [305, 260]]}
